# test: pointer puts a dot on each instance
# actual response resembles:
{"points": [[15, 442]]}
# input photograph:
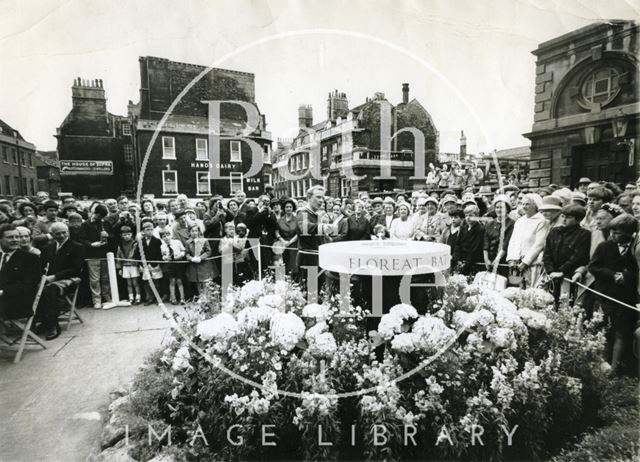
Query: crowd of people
{"points": [[552, 237]]}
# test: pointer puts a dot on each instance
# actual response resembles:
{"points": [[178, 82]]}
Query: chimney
{"points": [[305, 116], [405, 93], [337, 105], [463, 145]]}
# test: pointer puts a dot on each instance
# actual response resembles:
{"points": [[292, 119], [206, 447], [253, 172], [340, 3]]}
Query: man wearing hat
{"points": [[50, 209], [579, 198], [551, 209], [582, 185]]}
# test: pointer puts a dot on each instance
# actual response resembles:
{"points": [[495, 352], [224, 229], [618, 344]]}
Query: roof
{"points": [[49, 158], [514, 153], [8, 130]]}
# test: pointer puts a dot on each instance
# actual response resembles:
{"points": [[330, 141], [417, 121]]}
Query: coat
{"points": [[528, 239], [66, 263], [19, 279], [469, 248], [200, 272], [566, 249], [607, 261]]}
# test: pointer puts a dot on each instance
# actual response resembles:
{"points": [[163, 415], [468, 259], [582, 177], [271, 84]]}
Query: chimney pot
{"points": [[405, 93]]}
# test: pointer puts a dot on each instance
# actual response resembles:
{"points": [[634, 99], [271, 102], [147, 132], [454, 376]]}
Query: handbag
{"points": [[490, 280]]}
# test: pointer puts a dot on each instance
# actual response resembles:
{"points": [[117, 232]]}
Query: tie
{"points": [[3, 260]]}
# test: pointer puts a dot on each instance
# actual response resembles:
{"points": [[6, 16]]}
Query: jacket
{"points": [[19, 279], [66, 263], [607, 261], [566, 249], [527, 240]]}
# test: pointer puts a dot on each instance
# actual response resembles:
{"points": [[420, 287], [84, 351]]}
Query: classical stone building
{"points": [[91, 145], [178, 160], [349, 141], [18, 176], [586, 106]]}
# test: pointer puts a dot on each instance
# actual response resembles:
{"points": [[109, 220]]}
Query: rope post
{"points": [[113, 283], [259, 262]]}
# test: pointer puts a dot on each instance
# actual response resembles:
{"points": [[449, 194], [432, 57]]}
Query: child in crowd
{"points": [[451, 234], [379, 233], [616, 273], [149, 245], [173, 253], [244, 261], [126, 264], [226, 249], [75, 221], [198, 253]]}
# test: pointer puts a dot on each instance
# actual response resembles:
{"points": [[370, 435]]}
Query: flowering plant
{"points": [[504, 362]]}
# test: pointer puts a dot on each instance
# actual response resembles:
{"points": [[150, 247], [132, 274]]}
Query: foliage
{"points": [[482, 376]]}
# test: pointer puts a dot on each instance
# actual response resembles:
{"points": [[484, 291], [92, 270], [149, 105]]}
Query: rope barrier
{"points": [[626, 305]]}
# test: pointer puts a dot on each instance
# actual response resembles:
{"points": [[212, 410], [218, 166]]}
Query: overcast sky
{"points": [[468, 62]]}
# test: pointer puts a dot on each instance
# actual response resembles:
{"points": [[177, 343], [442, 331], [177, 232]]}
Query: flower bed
{"points": [[264, 375]]}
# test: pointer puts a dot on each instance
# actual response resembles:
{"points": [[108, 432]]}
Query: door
{"points": [[602, 161]]}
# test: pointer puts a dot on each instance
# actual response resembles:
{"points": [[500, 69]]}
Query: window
{"points": [[304, 159], [128, 153], [25, 189], [33, 186], [293, 189], [23, 158], [344, 187], [266, 156], [324, 152], [7, 182], [168, 147], [202, 152], [169, 182], [14, 156], [5, 154], [236, 153], [268, 179], [601, 86], [30, 159], [203, 185], [126, 128], [235, 180], [16, 185]]}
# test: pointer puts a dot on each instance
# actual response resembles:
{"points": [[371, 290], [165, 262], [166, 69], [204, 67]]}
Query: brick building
{"points": [[18, 175], [586, 106], [178, 161], [350, 139], [91, 145]]}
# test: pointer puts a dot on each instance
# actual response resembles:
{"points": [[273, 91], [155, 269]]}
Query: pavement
{"points": [[53, 402]]}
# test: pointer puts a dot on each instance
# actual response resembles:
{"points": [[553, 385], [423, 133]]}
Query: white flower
{"points": [[431, 333], [323, 345], [534, 319], [221, 327], [502, 338], [511, 293], [251, 291], [287, 330], [389, 325], [281, 288], [181, 359], [274, 301], [458, 280], [510, 320], [316, 310], [316, 330], [403, 343], [250, 317], [404, 311]]}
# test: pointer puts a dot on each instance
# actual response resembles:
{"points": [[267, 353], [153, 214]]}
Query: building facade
{"points": [[48, 170], [346, 147], [586, 106], [18, 175], [90, 144], [177, 161]]}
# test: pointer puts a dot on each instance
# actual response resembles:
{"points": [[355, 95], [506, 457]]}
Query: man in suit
{"points": [[19, 276], [65, 258]]}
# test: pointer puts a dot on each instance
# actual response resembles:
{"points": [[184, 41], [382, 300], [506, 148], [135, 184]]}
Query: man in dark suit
{"points": [[65, 258], [19, 276]]}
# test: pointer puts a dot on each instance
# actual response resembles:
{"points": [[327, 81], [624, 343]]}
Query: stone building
{"points": [[586, 106], [350, 139], [48, 170], [91, 145], [18, 175], [178, 160]]}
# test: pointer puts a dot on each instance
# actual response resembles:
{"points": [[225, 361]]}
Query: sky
{"points": [[469, 63]]}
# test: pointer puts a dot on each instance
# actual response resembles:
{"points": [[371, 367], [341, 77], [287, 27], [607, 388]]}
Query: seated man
{"points": [[19, 276], [65, 258]]}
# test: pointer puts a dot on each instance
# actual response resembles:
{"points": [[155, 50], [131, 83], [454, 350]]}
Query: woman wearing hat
{"points": [[524, 252], [496, 241], [287, 235], [403, 227], [429, 225]]}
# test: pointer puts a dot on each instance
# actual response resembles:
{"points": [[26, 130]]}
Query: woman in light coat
{"points": [[524, 253]]}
